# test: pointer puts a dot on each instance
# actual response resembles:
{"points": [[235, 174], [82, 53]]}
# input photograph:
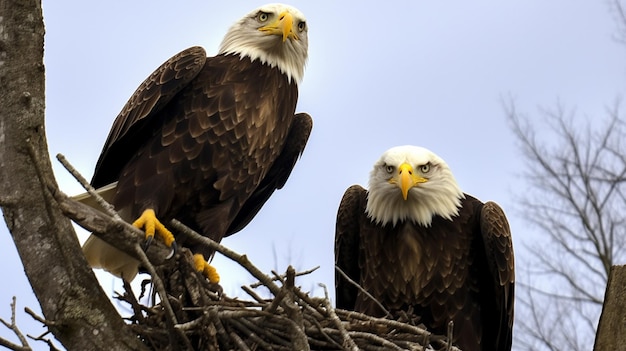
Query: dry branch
{"points": [[12, 326]]}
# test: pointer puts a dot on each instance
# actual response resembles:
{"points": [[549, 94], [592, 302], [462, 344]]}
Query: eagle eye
{"points": [[389, 169], [301, 26], [262, 16], [425, 168]]}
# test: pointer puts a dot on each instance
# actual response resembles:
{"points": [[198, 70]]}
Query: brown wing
{"points": [[500, 259], [347, 245], [278, 174], [136, 122], [219, 138]]}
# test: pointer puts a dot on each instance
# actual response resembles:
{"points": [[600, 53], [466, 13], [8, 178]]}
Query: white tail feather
{"points": [[101, 254]]}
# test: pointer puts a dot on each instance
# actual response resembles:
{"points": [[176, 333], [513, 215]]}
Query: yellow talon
{"points": [[211, 273], [199, 262], [207, 270], [152, 225]]}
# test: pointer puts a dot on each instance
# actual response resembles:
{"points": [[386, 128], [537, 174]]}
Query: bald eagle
{"points": [[207, 140], [417, 244]]}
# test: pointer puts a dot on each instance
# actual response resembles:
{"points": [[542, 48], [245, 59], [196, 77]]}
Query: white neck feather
{"points": [[385, 205], [439, 196]]}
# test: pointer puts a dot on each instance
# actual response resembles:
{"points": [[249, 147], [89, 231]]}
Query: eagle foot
{"points": [[206, 269], [151, 225]]}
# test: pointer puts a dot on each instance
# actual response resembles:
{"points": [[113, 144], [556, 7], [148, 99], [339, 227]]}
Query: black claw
{"points": [[147, 243], [174, 248], [216, 288]]}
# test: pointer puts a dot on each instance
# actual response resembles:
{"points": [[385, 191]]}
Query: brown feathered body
{"points": [[458, 270], [205, 141]]}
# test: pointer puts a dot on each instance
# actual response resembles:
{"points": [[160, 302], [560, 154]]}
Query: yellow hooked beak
{"points": [[283, 26], [408, 179]]}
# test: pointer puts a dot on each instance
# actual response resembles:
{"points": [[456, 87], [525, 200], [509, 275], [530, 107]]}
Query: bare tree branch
{"points": [[619, 10], [577, 205], [64, 285], [15, 329]]}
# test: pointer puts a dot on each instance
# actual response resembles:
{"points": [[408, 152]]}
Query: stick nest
{"points": [[189, 313], [206, 319]]}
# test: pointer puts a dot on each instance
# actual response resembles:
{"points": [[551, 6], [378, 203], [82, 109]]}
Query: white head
{"points": [[276, 34], [411, 183]]}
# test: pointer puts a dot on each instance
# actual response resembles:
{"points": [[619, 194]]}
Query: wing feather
{"points": [[500, 259], [347, 245], [135, 123], [278, 174]]}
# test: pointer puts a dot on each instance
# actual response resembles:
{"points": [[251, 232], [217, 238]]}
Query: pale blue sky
{"points": [[380, 74]]}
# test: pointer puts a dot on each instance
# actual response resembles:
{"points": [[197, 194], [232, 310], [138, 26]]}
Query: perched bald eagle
{"points": [[208, 140], [416, 243]]}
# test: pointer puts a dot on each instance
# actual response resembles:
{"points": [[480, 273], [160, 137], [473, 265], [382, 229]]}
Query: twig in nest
{"points": [[239, 342], [299, 338], [160, 288], [222, 335], [242, 260], [13, 327], [191, 325], [253, 294], [277, 301], [306, 301], [130, 298], [375, 339], [345, 337], [250, 330], [363, 291], [280, 277]]}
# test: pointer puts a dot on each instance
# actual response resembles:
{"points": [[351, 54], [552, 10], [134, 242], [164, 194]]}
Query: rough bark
{"points": [[78, 312], [611, 333]]}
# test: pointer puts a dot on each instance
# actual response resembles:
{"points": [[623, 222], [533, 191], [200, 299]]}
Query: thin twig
{"points": [[298, 336], [345, 337], [242, 260], [251, 331], [241, 345], [130, 298], [194, 324], [276, 301], [110, 210], [13, 327], [280, 277], [253, 294], [38, 318], [47, 341], [363, 291], [160, 288]]}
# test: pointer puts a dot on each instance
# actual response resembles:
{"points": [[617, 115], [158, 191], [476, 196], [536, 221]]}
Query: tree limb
{"points": [[65, 286]]}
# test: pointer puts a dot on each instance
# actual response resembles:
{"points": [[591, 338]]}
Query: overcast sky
{"points": [[380, 74]]}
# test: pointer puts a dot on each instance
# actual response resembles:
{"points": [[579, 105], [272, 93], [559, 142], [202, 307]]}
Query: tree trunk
{"points": [[611, 333], [78, 312]]}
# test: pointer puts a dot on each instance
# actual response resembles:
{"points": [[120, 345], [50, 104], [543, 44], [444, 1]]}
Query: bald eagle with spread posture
{"points": [[207, 140], [416, 243]]}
